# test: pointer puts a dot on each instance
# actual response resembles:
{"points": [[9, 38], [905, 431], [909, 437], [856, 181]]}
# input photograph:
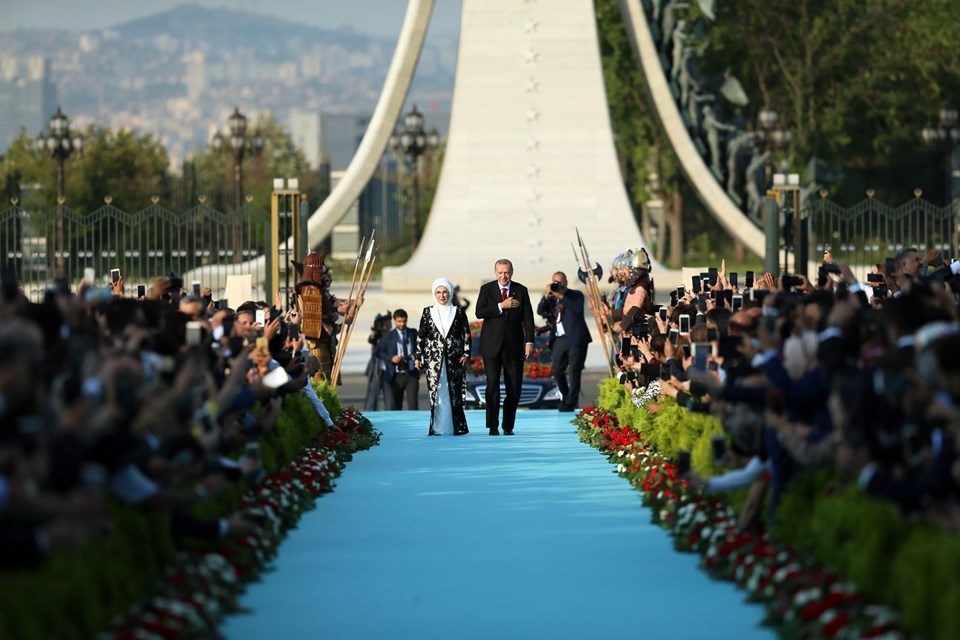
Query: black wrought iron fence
{"points": [[865, 234], [141, 244]]}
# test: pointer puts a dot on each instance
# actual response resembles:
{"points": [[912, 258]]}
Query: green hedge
{"points": [[912, 567], [76, 593]]}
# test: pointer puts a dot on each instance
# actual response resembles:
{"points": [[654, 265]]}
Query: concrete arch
{"points": [[709, 190]]}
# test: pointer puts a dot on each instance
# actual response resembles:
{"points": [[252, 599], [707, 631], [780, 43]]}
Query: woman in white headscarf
{"points": [[443, 347]]}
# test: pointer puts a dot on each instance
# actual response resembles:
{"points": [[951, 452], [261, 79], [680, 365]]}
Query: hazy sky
{"points": [[376, 17]]}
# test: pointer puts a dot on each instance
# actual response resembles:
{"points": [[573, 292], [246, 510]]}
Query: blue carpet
{"points": [[529, 537]]}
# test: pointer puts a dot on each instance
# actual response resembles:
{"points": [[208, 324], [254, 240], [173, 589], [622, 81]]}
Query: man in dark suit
{"points": [[396, 350], [563, 309], [506, 340]]}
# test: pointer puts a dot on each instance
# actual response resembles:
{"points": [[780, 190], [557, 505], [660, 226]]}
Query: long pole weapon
{"points": [[594, 291], [594, 274], [364, 282], [348, 330]]}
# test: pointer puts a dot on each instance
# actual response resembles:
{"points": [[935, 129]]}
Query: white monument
{"points": [[530, 154]]}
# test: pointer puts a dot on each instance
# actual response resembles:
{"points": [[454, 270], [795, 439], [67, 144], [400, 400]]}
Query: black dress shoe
{"points": [[508, 433], [494, 432], [567, 409]]}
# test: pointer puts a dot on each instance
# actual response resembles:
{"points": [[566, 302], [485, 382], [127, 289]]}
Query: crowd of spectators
{"points": [[155, 401], [858, 376]]}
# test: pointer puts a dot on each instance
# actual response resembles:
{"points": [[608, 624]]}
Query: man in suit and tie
{"points": [[396, 350], [506, 340], [563, 309]]}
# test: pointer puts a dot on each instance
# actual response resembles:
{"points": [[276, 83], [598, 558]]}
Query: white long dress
{"points": [[443, 411]]}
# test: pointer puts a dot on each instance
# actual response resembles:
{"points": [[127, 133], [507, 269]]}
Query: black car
{"points": [[539, 391]]}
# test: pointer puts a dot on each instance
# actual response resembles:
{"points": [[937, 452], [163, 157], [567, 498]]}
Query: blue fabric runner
{"points": [[467, 537]]}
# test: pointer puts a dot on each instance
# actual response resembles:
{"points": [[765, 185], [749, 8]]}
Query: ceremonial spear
{"points": [[364, 280]]}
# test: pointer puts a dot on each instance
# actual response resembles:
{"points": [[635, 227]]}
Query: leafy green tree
{"points": [[213, 175], [647, 164], [26, 174], [127, 166], [854, 80]]}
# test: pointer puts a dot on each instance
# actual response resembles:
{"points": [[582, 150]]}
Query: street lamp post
{"points": [[946, 137], [60, 142], [412, 142], [788, 229], [240, 145], [773, 135]]}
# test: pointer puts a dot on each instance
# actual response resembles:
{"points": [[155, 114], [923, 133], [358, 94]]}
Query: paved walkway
{"points": [[532, 536]]}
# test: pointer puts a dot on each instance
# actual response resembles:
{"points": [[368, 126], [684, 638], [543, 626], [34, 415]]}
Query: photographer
{"points": [[396, 350], [377, 388], [564, 310]]}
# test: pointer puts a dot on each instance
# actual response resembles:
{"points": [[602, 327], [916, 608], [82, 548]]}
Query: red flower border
{"points": [[803, 599], [202, 585]]}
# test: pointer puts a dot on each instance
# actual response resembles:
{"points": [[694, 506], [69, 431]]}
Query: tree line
{"points": [[855, 82], [133, 167]]}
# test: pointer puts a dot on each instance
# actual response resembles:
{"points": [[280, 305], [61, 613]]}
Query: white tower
{"points": [[530, 155]]}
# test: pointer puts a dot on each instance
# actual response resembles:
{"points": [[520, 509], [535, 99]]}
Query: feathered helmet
{"points": [[639, 261]]}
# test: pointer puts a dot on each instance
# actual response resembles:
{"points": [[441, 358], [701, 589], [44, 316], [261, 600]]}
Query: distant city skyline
{"points": [[375, 17]]}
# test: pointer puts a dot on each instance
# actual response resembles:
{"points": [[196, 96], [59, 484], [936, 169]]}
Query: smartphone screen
{"points": [[737, 303], [261, 317], [114, 276], [684, 323], [194, 333], [701, 350], [90, 276], [665, 372], [702, 302], [719, 446], [890, 266], [141, 291], [674, 337], [236, 345], [748, 280], [733, 277], [713, 274], [196, 288], [663, 313], [683, 462], [696, 284], [681, 291]]}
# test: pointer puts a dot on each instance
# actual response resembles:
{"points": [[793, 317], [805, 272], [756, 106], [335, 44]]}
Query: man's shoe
{"points": [[494, 432], [567, 409], [508, 433]]}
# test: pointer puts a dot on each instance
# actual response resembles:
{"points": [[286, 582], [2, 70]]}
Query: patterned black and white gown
{"points": [[446, 377]]}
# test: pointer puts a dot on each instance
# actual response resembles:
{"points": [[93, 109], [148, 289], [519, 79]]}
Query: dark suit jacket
{"points": [[574, 326], [510, 329], [389, 347]]}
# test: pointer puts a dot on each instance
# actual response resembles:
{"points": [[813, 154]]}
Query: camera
{"points": [[556, 287], [830, 267], [698, 407], [875, 277], [628, 376], [789, 282]]}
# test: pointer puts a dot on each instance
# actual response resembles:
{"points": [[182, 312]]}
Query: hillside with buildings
{"points": [[180, 73]]}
